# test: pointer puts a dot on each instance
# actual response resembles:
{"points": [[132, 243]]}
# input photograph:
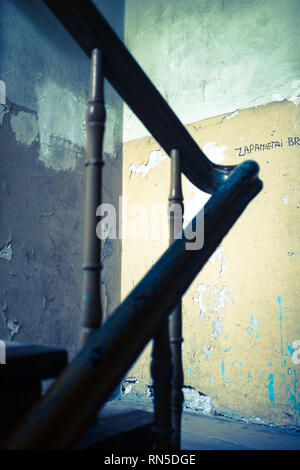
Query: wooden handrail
{"points": [[90, 30], [62, 415]]}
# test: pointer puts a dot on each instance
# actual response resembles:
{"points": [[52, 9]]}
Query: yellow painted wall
{"points": [[241, 314]]}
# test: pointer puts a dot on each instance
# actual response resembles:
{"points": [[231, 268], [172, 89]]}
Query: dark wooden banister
{"points": [[90, 30], [63, 414]]}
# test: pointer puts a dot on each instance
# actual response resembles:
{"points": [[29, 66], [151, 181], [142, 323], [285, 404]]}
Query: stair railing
{"points": [[60, 418], [64, 413]]}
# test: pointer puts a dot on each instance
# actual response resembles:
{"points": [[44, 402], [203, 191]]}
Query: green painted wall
{"points": [[209, 57]]}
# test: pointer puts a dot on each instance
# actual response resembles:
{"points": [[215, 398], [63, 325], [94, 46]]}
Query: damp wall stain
{"points": [[44, 82]]}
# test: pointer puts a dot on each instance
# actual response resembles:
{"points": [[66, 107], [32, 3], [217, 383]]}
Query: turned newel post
{"points": [[175, 325], [95, 119]]}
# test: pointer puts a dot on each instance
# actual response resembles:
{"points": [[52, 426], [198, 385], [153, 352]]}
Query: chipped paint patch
{"points": [[218, 301], [62, 135], [222, 297], [132, 388], [217, 325], [201, 288], [155, 158], [197, 401], [207, 351], [216, 153], [6, 252], [277, 97], [285, 198], [13, 327], [25, 127]]}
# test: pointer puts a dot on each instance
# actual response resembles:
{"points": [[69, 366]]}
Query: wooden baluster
{"points": [[95, 119], [175, 325], [161, 371]]}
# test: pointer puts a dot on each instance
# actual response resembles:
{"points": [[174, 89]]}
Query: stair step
{"points": [[26, 363], [122, 429], [20, 379]]}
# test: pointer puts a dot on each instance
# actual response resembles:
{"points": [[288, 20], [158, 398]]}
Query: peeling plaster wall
{"points": [[210, 57], [44, 81], [241, 314]]}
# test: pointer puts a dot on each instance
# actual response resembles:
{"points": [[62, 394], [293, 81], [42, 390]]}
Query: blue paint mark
{"points": [[240, 363], [226, 350], [269, 363], [250, 330], [224, 376], [85, 297], [280, 316], [290, 350], [249, 374], [190, 372], [210, 380], [271, 388], [254, 322], [234, 362]]}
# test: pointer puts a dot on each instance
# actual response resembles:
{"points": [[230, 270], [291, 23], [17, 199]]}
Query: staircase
{"points": [[65, 417], [21, 379]]}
